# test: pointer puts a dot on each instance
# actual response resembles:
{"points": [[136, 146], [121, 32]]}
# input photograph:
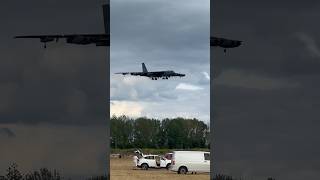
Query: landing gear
{"points": [[225, 51]]}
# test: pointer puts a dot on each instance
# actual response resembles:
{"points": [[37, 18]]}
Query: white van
{"points": [[190, 161]]}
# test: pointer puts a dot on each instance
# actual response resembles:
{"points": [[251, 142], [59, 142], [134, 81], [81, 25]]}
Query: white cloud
{"points": [[128, 108], [206, 75], [188, 87]]}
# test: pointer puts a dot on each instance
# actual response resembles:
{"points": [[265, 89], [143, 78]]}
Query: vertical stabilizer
{"points": [[106, 17], [144, 69]]}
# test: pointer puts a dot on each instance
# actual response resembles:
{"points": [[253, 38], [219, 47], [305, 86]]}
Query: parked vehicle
{"points": [[190, 161], [168, 156], [153, 161], [138, 153]]}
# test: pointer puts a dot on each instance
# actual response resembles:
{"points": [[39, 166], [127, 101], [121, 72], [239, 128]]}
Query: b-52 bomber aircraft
{"points": [[82, 39], [224, 43], [153, 75], [104, 39]]}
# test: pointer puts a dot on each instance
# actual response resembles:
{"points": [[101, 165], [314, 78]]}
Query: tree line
{"points": [[43, 174], [143, 132]]}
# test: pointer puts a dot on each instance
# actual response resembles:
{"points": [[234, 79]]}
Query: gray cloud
{"points": [[62, 84], [242, 79], [75, 151], [266, 99], [53, 101], [6, 132], [165, 35], [310, 44]]}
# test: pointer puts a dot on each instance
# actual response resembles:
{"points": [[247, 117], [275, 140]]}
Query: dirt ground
{"points": [[123, 169]]}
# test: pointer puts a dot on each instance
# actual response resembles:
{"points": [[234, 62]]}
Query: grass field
{"points": [[123, 169]]}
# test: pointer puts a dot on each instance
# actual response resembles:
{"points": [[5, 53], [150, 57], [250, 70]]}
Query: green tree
{"points": [[121, 132], [13, 173], [146, 132], [177, 133]]}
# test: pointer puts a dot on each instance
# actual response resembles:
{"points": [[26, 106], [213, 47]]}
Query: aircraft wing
{"points": [[64, 36], [131, 73], [123, 73], [157, 74], [39, 36], [98, 39], [225, 43]]}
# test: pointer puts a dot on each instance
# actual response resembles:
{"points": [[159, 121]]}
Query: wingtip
{"points": [[16, 37]]}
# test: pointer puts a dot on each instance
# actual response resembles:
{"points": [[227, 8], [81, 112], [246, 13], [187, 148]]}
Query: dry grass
{"points": [[123, 169]]}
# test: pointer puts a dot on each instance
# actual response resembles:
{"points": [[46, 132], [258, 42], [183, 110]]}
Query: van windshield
{"points": [[207, 156]]}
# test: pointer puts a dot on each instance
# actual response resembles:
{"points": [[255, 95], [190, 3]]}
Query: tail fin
{"points": [[106, 17], [144, 69]]}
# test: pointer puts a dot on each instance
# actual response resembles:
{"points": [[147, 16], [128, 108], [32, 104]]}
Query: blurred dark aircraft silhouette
{"points": [[82, 39], [104, 39], [224, 43], [153, 75]]}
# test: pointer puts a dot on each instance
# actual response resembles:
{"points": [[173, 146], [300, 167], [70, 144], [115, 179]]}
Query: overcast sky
{"points": [[53, 101], [267, 95], [165, 35]]}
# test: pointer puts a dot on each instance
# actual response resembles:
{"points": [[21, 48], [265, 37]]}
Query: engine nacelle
{"points": [[46, 39], [103, 43], [225, 43], [79, 40]]}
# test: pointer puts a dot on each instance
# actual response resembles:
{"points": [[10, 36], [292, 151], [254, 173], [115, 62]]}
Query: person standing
{"points": [[135, 160]]}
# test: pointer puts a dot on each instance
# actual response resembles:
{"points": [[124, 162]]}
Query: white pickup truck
{"points": [[152, 161]]}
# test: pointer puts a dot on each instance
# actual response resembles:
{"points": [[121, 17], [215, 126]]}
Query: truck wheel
{"points": [[182, 170], [144, 166], [168, 166]]}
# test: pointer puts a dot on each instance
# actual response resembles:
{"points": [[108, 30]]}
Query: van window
{"points": [[207, 156]]}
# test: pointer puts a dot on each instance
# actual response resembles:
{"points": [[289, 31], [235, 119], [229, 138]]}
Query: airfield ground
{"points": [[123, 169]]}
